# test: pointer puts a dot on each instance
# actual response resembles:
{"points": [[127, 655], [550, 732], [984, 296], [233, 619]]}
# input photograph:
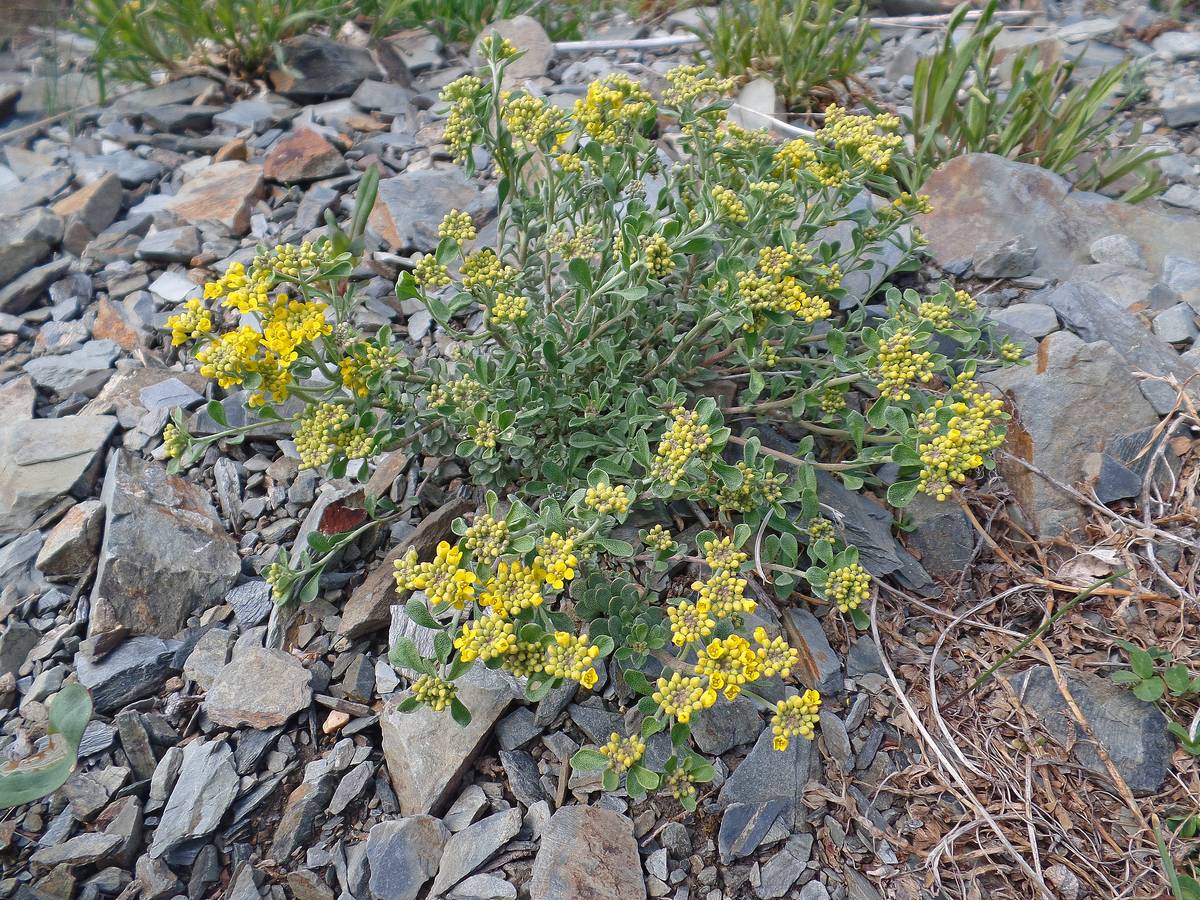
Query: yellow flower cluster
{"points": [[274, 575], [458, 226], [690, 622], [833, 400], [615, 107], [899, 366], [965, 301], [722, 555], [486, 538], [484, 269], [727, 665], [297, 262], [514, 587], [494, 43], [660, 539], [848, 587], [821, 530], [556, 558], [485, 434], [729, 205], [434, 692], [246, 293], [509, 307], [914, 203], [461, 124], [488, 637], [194, 322], [694, 82], [950, 446], [442, 580], [1010, 350], [623, 753], [464, 391], [428, 272], [681, 695], [607, 498], [572, 657], [793, 157], [870, 140], [686, 439], [571, 163], [579, 245], [360, 363], [757, 489], [534, 123], [933, 310], [680, 784], [724, 593], [769, 290], [775, 655], [657, 252], [323, 430], [174, 442], [797, 715]]}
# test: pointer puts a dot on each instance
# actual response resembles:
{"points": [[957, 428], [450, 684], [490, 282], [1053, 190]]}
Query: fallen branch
{"points": [[684, 40]]}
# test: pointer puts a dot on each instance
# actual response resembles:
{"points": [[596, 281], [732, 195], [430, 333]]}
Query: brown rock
{"points": [[587, 853], [220, 198], [980, 197], [94, 206], [70, 548], [235, 149], [369, 606], [261, 688], [303, 156], [111, 324]]}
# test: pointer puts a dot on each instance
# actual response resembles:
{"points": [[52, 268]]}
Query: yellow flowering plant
{"points": [[639, 316]]}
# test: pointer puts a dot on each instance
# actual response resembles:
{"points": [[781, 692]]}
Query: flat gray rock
{"points": [[204, 790], [159, 523], [237, 697], [404, 854], [587, 853], [1133, 733], [427, 752], [42, 460]]}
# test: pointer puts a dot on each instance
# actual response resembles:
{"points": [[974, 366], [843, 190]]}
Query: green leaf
{"points": [[1149, 690], [652, 725], [1142, 663], [308, 593], [1178, 679], [216, 412], [860, 618], [638, 682], [614, 547], [679, 733], [23, 781], [645, 777], [408, 704], [405, 655], [902, 493], [587, 760], [420, 614], [443, 646], [604, 642], [460, 713], [610, 780]]}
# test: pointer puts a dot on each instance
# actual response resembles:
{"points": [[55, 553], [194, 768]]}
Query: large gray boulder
{"points": [[165, 553]]}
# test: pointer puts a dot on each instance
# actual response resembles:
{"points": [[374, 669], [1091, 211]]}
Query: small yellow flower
{"points": [[607, 498], [797, 715], [457, 226], [623, 753], [681, 695], [848, 587], [434, 692], [572, 657]]}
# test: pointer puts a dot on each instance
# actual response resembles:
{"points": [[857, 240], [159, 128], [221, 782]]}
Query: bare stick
{"points": [[683, 40]]}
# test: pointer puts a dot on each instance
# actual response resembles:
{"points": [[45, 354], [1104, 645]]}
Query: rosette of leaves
{"points": [[619, 607]]}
